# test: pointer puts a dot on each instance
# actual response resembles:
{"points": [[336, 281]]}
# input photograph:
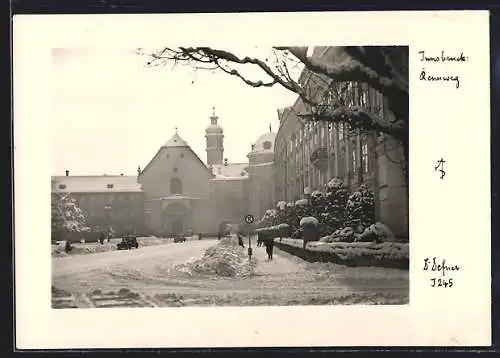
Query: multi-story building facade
{"points": [[309, 153], [261, 174], [109, 201]]}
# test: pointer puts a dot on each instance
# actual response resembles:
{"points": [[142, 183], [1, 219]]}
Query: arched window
{"points": [[267, 145], [175, 186]]}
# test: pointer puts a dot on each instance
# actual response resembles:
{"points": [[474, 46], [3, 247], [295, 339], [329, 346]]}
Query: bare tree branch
{"points": [[382, 68]]}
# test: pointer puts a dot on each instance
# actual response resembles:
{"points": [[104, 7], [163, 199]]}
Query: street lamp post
{"points": [[108, 211]]}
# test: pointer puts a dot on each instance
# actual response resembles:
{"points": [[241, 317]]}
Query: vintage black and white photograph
{"points": [[229, 176]]}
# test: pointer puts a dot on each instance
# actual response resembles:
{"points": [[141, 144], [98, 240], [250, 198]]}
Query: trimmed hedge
{"points": [[388, 254]]}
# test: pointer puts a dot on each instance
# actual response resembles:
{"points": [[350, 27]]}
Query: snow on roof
{"points": [[231, 170], [96, 184], [263, 140]]}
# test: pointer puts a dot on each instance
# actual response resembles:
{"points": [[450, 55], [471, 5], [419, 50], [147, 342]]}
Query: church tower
{"points": [[214, 136]]}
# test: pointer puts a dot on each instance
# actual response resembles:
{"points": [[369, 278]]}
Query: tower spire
{"points": [[213, 118], [270, 128]]}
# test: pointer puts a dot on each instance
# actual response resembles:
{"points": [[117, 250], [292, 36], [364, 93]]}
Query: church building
{"points": [[179, 192]]}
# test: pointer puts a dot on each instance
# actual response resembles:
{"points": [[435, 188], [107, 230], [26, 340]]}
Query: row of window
{"points": [[108, 186], [120, 215], [349, 94], [300, 158], [296, 172], [108, 199]]}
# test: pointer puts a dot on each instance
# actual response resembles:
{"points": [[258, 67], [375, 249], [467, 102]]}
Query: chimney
{"points": [[225, 162], [67, 173]]}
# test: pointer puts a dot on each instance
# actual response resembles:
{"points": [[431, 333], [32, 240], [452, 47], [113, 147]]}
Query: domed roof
{"points": [[213, 129], [265, 143], [176, 141]]}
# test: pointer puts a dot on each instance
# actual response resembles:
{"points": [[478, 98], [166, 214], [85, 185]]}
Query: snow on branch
{"points": [[353, 64]]}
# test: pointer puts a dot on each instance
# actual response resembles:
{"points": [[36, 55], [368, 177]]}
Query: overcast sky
{"points": [[110, 113]]}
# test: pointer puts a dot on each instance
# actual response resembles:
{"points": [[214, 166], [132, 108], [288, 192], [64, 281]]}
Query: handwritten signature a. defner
{"points": [[439, 266]]}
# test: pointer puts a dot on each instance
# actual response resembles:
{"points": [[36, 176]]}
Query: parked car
{"points": [[128, 243], [179, 238]]}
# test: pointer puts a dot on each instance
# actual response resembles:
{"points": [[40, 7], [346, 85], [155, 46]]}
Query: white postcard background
{"points": [[449, 218]]}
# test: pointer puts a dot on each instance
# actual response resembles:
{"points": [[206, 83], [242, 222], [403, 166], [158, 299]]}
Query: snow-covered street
{"points": [[148, 277]]}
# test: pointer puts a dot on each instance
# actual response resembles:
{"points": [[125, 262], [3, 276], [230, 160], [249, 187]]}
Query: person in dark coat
{"points": [[269, 248], [240, 240], [199, 236], [67, 247]]}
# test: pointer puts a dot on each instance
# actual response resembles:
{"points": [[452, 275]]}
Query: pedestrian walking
{"points": [[67, 246], [199, 236], [269, 249], [240, 240]]}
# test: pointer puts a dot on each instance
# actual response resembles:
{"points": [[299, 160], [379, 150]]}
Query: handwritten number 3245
{"points": [[441, 282]]}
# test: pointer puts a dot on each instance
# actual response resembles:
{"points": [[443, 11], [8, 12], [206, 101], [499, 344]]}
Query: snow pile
{"points": [[226, 259], [150, 241], [58, 251], [97, 247]]}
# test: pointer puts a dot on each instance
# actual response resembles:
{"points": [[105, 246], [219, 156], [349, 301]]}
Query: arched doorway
{"points": [[177, 226], [176, 218]]}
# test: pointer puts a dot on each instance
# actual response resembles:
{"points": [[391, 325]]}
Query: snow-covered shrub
{"points": [[379, 251], [309, 220], [297, 233], [310, 230], [335, 201], [283, 230], [301, 202], [353, 251], [346, 234], [269, 218], [303, 209], [319, 210], [281, 205], [378, 232], [360, 209]]}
